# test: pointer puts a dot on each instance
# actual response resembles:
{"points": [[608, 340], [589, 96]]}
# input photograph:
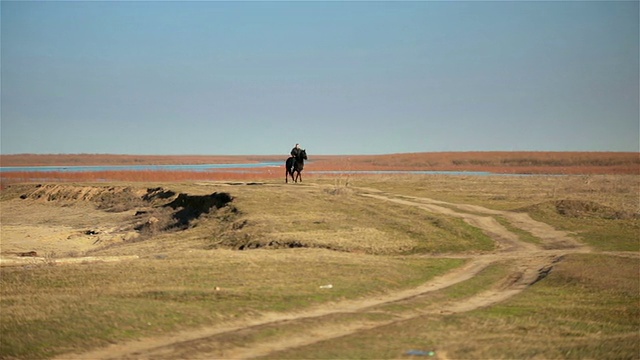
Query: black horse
{"points": [[295, 166]]}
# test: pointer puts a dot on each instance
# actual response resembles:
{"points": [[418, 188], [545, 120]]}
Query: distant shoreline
{"points": [[500, 162]]}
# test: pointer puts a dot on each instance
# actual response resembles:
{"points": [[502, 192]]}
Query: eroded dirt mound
{"points": [[235, 237], [181, 212], [154, 210], [109, 198], [581, 209], [61, 192], [187, 208], [154, 194]]}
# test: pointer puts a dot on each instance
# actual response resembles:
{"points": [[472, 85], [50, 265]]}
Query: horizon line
{"points": [[353, 154]]}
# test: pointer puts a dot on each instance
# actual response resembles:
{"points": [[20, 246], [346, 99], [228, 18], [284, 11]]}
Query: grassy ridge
{"points": [[345, 221]]}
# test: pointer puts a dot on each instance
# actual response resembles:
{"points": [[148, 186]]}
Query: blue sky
{"points": [[339, 77]]}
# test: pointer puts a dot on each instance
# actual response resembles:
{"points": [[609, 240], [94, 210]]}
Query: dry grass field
{"points": [[366, 267]]}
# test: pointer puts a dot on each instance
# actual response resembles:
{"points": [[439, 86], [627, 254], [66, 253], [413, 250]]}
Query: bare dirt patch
{"points": [[88, 218], [586, 209]]}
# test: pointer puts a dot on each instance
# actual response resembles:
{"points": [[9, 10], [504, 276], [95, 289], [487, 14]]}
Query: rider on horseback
{"points": [[295, 152], [295, 164]]}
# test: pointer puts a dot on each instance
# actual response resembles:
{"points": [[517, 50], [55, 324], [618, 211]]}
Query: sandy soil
{"points": [[76, 228], [533, 262]]}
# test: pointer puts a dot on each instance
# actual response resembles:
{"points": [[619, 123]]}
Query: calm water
{"points": [[218, 167], [201, 167]]}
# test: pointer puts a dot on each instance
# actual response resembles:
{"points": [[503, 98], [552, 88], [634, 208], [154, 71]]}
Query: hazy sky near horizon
{"points": [[207, 77]]}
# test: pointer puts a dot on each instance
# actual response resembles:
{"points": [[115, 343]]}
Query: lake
{"points": [[197, 168], [222, 167]]}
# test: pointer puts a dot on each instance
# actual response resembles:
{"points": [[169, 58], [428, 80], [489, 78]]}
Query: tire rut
{"points": [[532, 263]]}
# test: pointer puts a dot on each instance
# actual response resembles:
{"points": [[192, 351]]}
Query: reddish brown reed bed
{"points": [[496, 169], [143, 176], [497, 162], [494, 162], [107, 159]]}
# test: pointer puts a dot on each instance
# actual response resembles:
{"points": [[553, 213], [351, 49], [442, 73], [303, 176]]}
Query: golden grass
{"points": [[586, 308], [511, 192], [579, 311], [316, 217], [64, 308]]}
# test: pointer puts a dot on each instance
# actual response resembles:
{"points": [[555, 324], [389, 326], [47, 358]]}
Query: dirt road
{"points": [[531, 263]]}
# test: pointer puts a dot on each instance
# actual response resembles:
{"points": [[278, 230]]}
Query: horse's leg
{"points": [[288, 169]]}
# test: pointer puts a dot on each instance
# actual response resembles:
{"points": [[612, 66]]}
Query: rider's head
{"points": [[297, 146]]}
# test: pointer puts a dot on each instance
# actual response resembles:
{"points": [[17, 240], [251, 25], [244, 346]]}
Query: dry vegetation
{"points": [[263, 253], [109, 159], [495, 162], [141, 176], [576, 163]]}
